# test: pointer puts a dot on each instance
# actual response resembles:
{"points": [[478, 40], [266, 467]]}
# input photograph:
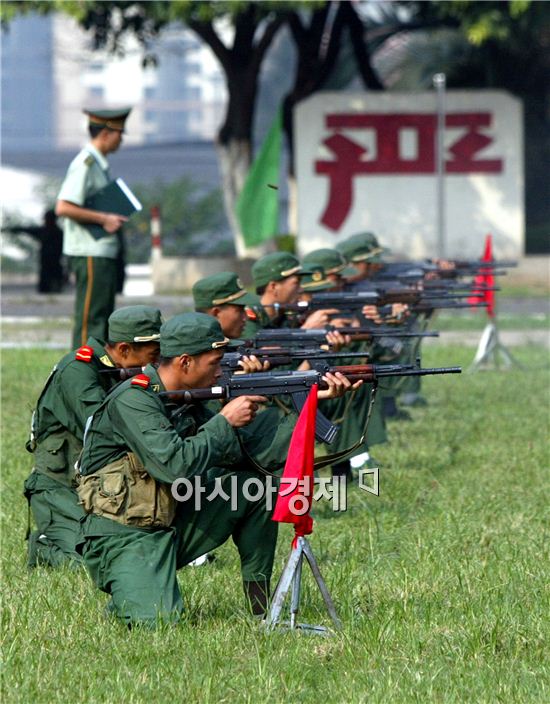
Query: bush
{"points": [[193, 221]]}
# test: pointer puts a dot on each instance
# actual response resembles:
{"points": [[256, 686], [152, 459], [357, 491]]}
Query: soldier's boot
{"points": [[390, 410], [257, 597], [412, 399], [42, 552], [342, 469]]}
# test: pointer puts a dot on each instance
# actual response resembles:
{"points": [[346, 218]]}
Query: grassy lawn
{"points": [[465, 320], [441, 581]]}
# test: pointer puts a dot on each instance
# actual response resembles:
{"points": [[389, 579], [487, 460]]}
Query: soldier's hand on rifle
{"points": [[113, 222], [445, 264], [242, 410], [319, 318], [371, 313], [345, 322], [252, 364], [338, 385], [336, 340], [399, 311]]}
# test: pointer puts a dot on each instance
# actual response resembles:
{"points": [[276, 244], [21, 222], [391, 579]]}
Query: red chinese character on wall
{"points": [[351, 159]]}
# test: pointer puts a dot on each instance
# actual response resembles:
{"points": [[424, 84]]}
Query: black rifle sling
{"points": [[322, 462], [327, 460]]}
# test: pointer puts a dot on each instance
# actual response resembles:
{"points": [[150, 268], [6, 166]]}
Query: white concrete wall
{"points": [[399, 202], [178, 274]]}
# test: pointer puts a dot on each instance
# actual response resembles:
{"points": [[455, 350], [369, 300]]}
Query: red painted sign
{"points": [[352, 159]]}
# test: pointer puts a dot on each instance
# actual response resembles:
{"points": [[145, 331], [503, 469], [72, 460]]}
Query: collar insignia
{"points": [[106, 360]]}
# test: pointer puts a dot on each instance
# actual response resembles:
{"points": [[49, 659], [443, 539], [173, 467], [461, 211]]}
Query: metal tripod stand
{"points": [[491, 351], [292, 577]]}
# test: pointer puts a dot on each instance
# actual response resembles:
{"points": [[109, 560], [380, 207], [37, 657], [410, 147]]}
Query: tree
{"points": [[502, 45], [192, 220], [318, 38]]}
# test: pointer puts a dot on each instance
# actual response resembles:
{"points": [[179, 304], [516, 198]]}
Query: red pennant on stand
{"points": [[484, 280], [294, 498]]}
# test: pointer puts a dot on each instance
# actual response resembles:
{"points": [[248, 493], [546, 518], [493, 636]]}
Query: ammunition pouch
{"points": [[56, 455], [126, 493]]}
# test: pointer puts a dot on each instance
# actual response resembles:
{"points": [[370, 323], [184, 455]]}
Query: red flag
{"points": [[294, 498], [484, 280]]}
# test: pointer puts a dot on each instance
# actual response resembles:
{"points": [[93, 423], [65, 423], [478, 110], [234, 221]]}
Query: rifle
{"points": [[418, 270], [479, 264], [354, 301], [277, 357], [281, 356], [298, 384], [299, 337]]}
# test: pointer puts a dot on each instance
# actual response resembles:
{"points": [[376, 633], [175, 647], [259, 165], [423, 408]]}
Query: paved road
{"points": [[31, 319], [19, 299]]}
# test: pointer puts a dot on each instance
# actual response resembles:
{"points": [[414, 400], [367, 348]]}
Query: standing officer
{"points": [[94, 261], [75, 388]]}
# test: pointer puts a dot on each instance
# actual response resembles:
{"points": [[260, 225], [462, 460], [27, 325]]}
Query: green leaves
{"points": [[192, 219]]}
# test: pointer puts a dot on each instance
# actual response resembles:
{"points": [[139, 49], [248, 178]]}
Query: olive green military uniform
{"points": [[349, 412], [276, 266], [257, 319], [133, 548], [72, 393], [93, 262], [75, 388], [364, 247]]}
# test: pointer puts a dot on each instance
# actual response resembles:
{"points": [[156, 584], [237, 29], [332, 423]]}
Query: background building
{"points": [[49, 73]]}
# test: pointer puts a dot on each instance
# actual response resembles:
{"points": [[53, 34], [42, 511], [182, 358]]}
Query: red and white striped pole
{"points": [[156, 243]]}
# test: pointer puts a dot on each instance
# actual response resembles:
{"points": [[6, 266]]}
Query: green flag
{"points": [[258, 203]]}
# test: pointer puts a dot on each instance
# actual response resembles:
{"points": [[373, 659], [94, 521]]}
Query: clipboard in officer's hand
{"points": [[115, 197]]}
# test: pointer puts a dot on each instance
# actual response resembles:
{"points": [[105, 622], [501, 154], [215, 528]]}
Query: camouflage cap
{"points": [[134, 324], [276, 266], [317, 280], [331, 260], [221, 289], [112, 119], [191, 333], [362, 247]]}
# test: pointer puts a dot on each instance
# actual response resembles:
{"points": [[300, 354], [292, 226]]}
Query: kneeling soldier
{"points": [[73, 391], [138, 444]]}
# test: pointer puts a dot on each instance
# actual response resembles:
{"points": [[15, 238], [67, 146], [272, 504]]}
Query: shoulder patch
{"points": [[141, 380], [84, 354], [156, 388], [89, 160], [250, 313], [106, 360]]}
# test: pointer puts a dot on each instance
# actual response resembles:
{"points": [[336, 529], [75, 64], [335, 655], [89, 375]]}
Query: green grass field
{"points": [[442, 581]]}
